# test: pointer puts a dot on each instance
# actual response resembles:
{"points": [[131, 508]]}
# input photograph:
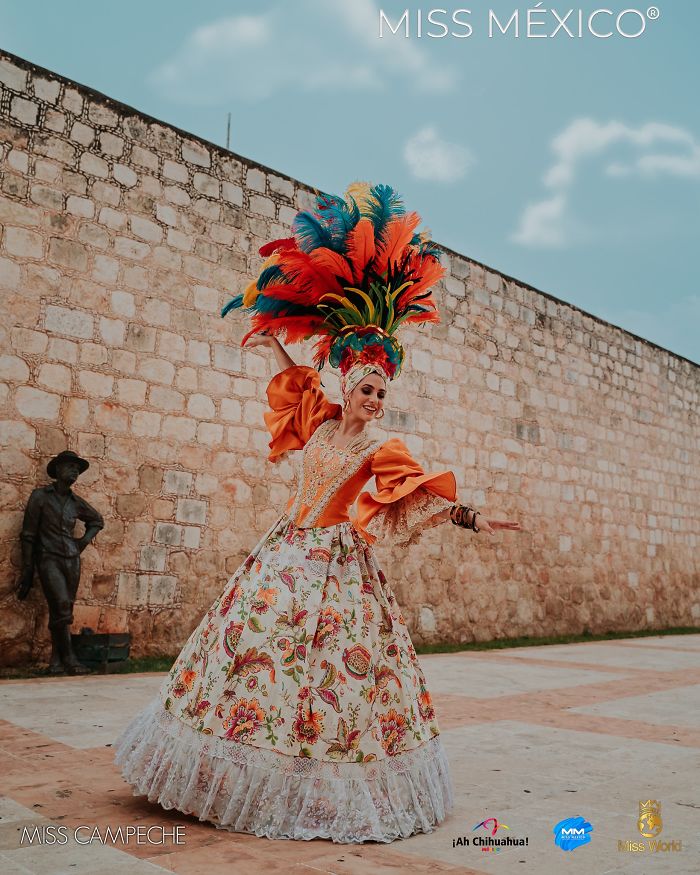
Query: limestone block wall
{"points": [[121, 238]]}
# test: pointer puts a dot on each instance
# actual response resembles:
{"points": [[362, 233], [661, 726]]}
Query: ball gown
{"points": [[298, 708]]}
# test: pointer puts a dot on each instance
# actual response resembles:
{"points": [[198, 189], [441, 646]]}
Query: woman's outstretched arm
{"points": [[284, 360]]}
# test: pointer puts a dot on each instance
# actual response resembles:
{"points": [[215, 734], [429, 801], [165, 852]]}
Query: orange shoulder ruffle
{"points": [[297, 408], [406, 498]]}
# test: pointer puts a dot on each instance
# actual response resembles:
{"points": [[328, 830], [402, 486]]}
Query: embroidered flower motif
{"points": [[393, 726], [357, 661], [245, 718], [202, 708], [232, 636], [329, 623], [251, 683], [184, 683], [425, 704], [229, 599], [308, 724]]}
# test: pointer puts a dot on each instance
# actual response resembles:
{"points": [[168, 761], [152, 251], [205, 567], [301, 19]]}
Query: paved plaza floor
{"points": [[534, 735]]}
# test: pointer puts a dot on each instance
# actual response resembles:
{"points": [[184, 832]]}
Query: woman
{"points": [[297, 708]]}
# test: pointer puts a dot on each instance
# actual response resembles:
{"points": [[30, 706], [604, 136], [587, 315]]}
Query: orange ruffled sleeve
{"points": [[407, 499], [297, 408]]}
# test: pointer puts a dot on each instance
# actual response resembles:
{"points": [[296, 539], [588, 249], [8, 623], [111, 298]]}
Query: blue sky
{"points": [[572, 164]]}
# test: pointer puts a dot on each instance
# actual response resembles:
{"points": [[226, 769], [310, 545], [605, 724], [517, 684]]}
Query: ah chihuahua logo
{"points": [[572, 832], [491, 825]]}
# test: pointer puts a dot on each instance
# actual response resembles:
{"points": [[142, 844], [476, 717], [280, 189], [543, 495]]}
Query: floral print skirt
{"points": [[297, 708]]}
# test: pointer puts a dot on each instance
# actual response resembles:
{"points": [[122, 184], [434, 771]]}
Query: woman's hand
{"points": [[262, 339], [492, 526]]}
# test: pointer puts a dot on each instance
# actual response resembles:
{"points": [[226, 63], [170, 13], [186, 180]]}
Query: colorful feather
{"points": [[352, 274], [311, 233], [361, 247], [276, 245], [384, 204]]}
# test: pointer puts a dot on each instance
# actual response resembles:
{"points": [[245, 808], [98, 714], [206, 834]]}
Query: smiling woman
{"points": [[298, 708]]}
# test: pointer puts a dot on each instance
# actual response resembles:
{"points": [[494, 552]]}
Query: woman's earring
{"points": [[380, 415]]}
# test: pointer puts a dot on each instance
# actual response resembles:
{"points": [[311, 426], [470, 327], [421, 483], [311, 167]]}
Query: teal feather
{"points": [[311, 233], [384, 204], [338, 217], [233, 304], [273, 273]]}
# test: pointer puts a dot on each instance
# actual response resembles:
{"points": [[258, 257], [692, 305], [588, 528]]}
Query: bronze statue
{"points": [[48, 544]]}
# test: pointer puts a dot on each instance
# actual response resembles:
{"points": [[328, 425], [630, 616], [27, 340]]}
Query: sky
{"points": [[570, 163]]}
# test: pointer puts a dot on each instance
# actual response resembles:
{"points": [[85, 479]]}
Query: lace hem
{"points": [[247, 789], [402, 522]]}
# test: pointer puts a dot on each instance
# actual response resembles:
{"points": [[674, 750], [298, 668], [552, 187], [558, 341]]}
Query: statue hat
{"points": [[66, 456]]}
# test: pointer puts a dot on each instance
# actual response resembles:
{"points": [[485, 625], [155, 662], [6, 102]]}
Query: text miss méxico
{"points": [[536, 22]]}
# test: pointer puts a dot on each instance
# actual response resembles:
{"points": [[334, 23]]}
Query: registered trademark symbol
{"points": [[653, 12]]}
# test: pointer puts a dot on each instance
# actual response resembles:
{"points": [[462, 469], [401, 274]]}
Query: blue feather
{"points": [[268, 275], [429, 248], [339, 218], [311, 233], [384, 204], [232, 304], [279, 307]]}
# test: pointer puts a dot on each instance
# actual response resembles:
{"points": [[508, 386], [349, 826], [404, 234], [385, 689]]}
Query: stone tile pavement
{"points": [[534, 735]]}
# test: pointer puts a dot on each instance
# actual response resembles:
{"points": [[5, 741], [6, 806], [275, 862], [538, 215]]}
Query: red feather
{"points": [[430, 316], [426, 271], [313, 279], [332, 261], [361, 247], [275, 245], [295, 329], [397, 236]]}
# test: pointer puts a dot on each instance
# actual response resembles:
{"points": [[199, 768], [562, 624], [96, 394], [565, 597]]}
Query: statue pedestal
{"points": [[101, 650]]}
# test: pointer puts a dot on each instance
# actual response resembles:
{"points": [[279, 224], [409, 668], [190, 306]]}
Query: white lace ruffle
{"points": [[247, 789], [402, 522]]}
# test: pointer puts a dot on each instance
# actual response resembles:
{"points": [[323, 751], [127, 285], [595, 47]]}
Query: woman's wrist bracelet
{"points": [[459, 514]]}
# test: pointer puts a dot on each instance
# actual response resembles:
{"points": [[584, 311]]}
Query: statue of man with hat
{"points": [[49, 545]]}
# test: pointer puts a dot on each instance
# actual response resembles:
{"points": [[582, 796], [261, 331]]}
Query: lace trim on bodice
{"points": [[324, 469]]}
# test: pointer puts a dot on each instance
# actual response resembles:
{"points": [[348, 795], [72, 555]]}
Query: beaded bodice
{"points": [[325, 469]]}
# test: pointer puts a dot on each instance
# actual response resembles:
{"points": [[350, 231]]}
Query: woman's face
{"points": [[367, 398]]}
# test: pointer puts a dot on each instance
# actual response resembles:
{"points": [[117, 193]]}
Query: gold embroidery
{"points": [[324, 469]]}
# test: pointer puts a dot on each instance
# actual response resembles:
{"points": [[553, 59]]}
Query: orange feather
{"points": [[397, 236], [361, 247], [332, 261]]}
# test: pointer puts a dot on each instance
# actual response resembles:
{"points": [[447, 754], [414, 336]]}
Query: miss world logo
{"points": [[572, 832]]}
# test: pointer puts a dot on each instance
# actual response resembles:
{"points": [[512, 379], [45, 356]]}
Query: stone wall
{"points": [[121, 239]]}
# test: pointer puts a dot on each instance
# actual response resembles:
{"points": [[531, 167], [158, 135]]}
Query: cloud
{"points": [[542, 223], [430, 157], [547, 223], [309, 46]]}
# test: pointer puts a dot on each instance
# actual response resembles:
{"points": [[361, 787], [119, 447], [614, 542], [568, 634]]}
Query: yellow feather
{"points": [[359, 192], [250, 294], [365, 297], [397, 292], [344, 301]]}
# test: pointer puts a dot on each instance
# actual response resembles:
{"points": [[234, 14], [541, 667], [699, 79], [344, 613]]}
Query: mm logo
{"points": [[572, 832]]}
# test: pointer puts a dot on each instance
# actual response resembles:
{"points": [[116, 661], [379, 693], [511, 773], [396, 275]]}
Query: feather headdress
{"points": [[354, 271]]}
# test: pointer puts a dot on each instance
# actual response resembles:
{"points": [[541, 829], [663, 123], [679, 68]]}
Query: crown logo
{"points": [[650, 822]]}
